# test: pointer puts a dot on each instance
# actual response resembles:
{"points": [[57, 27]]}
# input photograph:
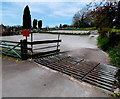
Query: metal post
{"points": [[23, 49], [26, 38], [31, 44], [31, 41]]}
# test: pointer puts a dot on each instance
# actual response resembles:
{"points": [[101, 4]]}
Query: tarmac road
{"points": [[26, 79]]}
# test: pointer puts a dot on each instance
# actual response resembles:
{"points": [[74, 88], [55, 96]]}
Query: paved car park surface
{"points": [[26, 79]]}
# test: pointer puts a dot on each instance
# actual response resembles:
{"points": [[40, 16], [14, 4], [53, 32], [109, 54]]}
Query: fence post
{"points": [[58, 42], [23, 49]]}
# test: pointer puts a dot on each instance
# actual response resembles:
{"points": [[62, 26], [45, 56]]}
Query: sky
{"points": [[52, 13]]}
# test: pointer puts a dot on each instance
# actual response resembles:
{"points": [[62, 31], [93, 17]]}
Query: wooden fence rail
{"points": [[43, 42], [33, 55], [21, 50]]}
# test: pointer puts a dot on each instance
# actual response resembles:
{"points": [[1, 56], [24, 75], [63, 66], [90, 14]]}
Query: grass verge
{"points": [[78, 29], [114, 54], [65, 33], [113, 49]]}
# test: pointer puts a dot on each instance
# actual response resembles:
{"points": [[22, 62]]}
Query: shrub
{"points": [[103, 42], [104, 32], [114, 54]]}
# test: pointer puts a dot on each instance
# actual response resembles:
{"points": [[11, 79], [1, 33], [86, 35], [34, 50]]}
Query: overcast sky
{"points": [[51, 12]]}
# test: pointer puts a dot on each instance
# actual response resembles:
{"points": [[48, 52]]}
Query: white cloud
{"points": [[85, 1], [52, 8], [0, 13], [64, 12], [36, 10], [42, 10], [65, 9], [59, 13]]}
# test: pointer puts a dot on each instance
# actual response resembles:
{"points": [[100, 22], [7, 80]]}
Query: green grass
{"points": [[65, 33], [114, 54], [77, 29], [114, 51], [11, 58], [115, 30], [103, 43]]}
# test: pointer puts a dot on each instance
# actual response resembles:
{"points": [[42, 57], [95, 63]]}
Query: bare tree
{"points": [[80, 18]]}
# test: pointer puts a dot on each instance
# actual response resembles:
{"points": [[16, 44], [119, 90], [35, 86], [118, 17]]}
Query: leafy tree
{"points": [[106, 14], [26, 18], [117, 17], [40, 24], [101, 14], [35, 23], [65, 25]]}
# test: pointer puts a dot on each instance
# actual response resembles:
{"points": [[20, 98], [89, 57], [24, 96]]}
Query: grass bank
{"points": [[112, 46]]}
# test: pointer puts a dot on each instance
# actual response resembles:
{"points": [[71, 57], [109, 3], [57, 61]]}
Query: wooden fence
{"points": [[21, 49]]}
